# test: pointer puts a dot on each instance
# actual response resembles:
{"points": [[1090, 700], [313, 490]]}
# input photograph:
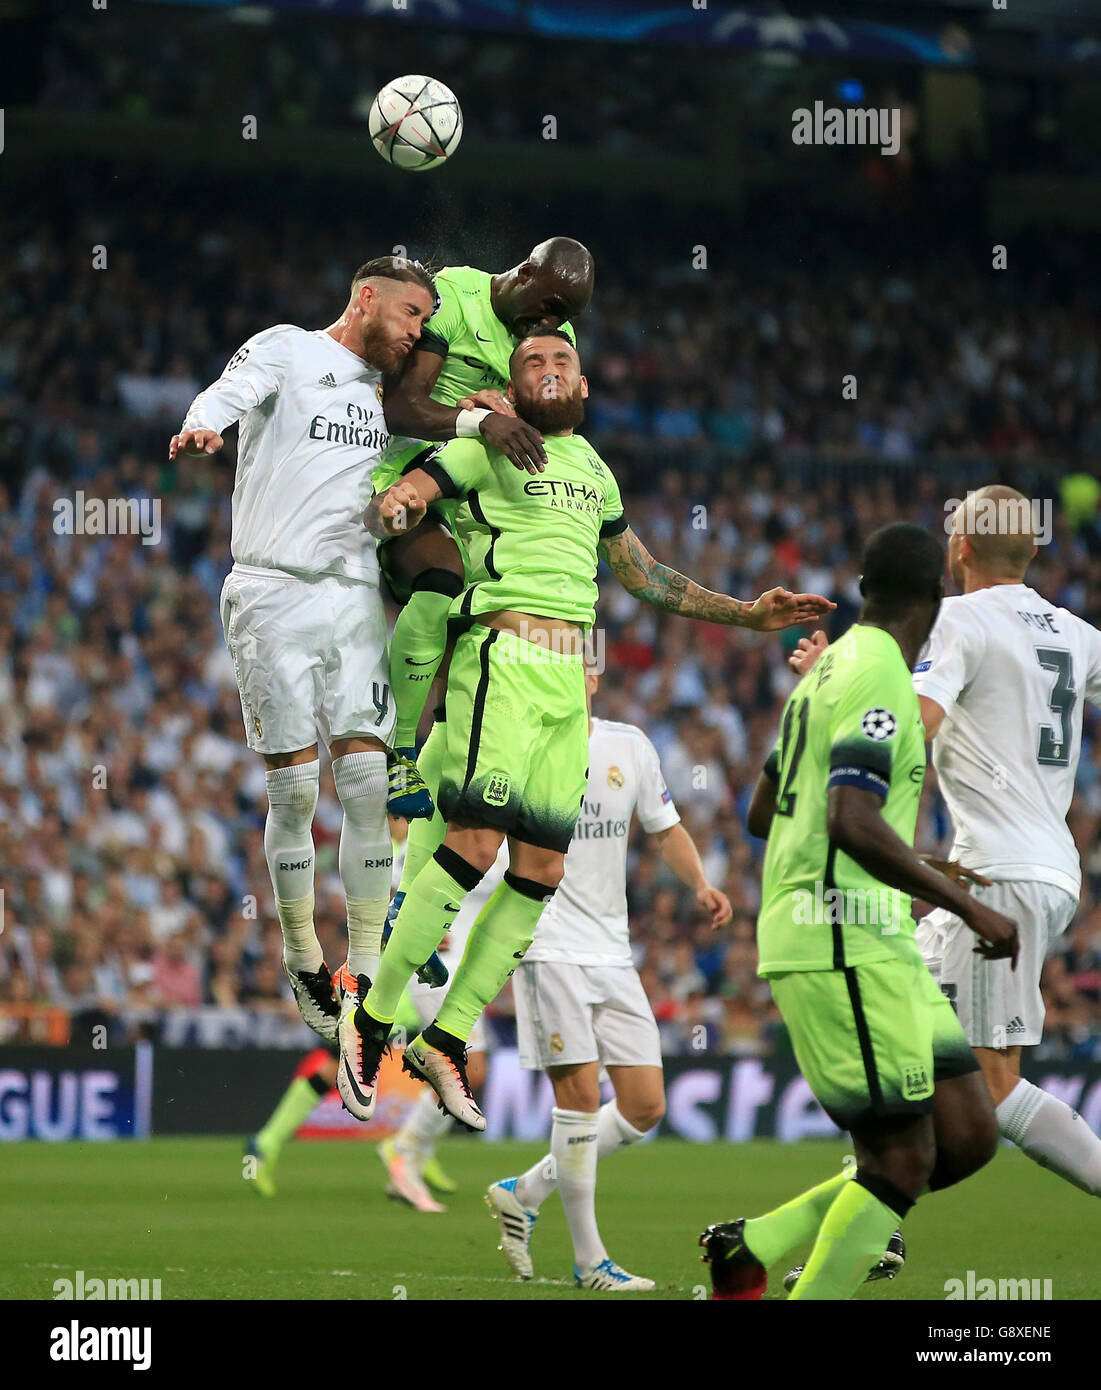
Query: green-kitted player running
{"points": [[516, 753], [451, 387], [875, 1039]]}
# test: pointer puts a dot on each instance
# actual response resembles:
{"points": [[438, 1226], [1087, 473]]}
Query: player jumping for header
{"points": [[517, 728], [301, 608], [451, 387]]}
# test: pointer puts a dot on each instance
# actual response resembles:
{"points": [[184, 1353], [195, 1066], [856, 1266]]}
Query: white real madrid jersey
{"points": [[585, 922], [1011, 671], [312, 429]]}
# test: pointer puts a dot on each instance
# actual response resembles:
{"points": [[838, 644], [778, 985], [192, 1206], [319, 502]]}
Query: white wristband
{"points": [[468, 423]]}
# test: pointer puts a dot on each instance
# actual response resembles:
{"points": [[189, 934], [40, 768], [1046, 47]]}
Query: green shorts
{"points": [[872, 1040], [517, 754], [395, 460]]}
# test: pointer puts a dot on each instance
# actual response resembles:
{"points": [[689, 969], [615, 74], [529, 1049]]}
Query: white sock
{"points": [[417, 1137], [613, 1133], [573, 1148], [366, 855], [289, 850], [1053, 1135]]}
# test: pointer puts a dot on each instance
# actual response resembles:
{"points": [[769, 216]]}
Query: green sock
{"points": [[771, 1236], [498, 939], [426, 836], [431, 902], [416, 650], [298, 1102], [854, 1234]]}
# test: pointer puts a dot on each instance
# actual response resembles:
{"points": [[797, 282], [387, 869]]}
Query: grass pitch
{"points": [[180, 1210]]}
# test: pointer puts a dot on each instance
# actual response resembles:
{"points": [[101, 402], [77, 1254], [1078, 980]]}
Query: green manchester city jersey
{"points": [[853, 720], [472, 340], [531, 540]]}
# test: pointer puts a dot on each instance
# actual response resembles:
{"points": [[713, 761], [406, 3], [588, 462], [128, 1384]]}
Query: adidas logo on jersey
{"points": [[327, 380], [1015, 1025]]}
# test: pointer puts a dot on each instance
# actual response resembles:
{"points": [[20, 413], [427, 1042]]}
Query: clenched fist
{"points": [[400, 508]]}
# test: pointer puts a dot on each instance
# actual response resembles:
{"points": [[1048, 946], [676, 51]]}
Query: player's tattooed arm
{"points": [[402, 506], [657, 584], [663, 587]]}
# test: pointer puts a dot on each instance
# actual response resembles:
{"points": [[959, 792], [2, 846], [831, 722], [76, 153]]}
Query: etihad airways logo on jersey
{"points": [[359, 429], [566, 496]]}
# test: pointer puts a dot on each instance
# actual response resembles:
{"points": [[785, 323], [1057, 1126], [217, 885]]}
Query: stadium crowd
{"points": [[310, 71], [131, 813]]}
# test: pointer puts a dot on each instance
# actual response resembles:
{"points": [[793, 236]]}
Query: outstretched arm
{"points": [[657, 584], [254, 372]]}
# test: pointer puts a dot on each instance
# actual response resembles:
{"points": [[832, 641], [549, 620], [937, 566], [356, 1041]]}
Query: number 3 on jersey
{"points": [[1054, 748]]}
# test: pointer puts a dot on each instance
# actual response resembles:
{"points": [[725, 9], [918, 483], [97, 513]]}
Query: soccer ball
{"points": [[415, 123]]}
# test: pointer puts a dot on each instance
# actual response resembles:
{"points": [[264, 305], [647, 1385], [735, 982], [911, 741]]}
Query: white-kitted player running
{"points": [[1001, 685], [301, 608], [580, 1005]]}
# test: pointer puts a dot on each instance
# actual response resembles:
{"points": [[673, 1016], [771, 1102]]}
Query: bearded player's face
{"points": [[393, 317], [547, 386]]}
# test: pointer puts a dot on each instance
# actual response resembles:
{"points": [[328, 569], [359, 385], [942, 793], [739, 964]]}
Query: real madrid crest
{"points": [[616, 778]]}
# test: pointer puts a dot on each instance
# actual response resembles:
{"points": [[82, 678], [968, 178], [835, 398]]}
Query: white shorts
{"points": [[310, 657], [568, 1014], [997, 1006], [427, 1003]]}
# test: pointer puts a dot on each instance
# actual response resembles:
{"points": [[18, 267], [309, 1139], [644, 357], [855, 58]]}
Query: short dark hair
{"points": [[540, 332], [902, 565], [398, 268]]}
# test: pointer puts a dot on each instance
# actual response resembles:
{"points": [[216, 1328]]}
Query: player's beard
{"points": [[382, 351], [549, 416]]}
